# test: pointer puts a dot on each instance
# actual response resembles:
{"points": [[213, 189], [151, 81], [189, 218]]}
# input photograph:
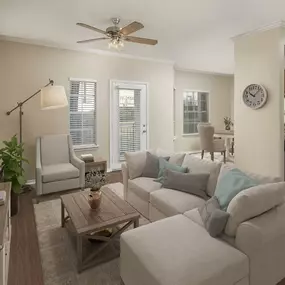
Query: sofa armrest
{"points": [[254, 234], [125, 172], [38, 168]]}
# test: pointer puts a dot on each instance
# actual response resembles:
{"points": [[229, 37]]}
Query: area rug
{"points": [[58, 255]]}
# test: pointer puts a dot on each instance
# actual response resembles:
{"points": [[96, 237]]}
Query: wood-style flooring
{"points": [[25, 261]]}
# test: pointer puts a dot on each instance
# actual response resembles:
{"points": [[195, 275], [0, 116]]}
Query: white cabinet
{"points": [[5, 235]]}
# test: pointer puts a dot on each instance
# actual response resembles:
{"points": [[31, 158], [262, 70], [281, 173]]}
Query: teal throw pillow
{"points": [[164, 164], [231, 184]]}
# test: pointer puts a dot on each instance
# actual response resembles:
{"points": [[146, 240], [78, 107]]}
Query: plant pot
{"points": [[228, 128], [94, 199], [14, 203]]}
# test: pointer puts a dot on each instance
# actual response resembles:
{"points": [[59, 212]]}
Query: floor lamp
{"points": [[52, 97]]}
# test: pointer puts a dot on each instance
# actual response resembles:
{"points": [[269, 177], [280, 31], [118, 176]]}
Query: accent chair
{"points": [[57, 167]]}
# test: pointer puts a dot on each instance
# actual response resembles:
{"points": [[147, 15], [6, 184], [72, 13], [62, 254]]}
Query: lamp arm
{"points": [[20, 104]]}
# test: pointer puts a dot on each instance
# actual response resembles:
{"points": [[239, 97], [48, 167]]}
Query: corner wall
{"points": [[259, 134]]}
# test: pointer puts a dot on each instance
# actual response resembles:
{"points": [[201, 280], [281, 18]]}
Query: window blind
{"points": [[82, 107], [129, 120], [195, 110]]}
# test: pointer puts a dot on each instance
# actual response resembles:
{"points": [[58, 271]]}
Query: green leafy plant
{"points": [[11, 156], [228, 123]]}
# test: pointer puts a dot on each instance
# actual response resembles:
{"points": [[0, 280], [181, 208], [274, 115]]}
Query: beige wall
{"points": [[259, 133], [25, 68], [220, 88]]}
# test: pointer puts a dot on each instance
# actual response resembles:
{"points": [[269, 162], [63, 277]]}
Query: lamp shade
{"points": [[53, 97]]}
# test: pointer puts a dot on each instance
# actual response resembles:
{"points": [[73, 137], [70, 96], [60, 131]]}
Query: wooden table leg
{"points": [[79, 252], [136, 223], [62, 215]]}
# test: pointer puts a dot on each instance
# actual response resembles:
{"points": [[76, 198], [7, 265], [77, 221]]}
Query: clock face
{"points": [[254, 96]]}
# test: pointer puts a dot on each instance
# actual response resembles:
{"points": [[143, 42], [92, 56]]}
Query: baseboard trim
{"points": [[31, 182]]}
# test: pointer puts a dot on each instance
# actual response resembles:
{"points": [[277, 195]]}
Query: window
{"points": [[195, 110], [82, 110]]}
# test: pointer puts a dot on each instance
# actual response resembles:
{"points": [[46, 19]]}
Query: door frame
{"points": [[111, 133]]}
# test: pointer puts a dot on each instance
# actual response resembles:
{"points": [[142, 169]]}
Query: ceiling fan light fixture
{"points": [[116, 43]]}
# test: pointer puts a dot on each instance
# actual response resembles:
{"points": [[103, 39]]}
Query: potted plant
{"points": [[95, 180], [228, 123], [11, 156]]}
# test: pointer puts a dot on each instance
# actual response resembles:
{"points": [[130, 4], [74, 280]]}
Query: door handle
{"points": [[144, 131]]}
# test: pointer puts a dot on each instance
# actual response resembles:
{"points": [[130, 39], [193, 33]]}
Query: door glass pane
{"points": [[129, 121]]}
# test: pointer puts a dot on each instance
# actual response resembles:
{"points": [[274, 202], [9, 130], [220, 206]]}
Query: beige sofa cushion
{"points": [[195, 216], [59, 172], [252, 202], [171, 202], [143, 186], [178, 251], [257, 177], [136, 163], [197, 165]]}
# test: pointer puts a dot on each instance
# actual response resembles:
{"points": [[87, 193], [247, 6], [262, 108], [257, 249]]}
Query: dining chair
{"points": [[208, 143]]}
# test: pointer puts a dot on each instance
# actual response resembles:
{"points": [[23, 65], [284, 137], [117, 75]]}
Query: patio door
{"points": [[128, 120]]}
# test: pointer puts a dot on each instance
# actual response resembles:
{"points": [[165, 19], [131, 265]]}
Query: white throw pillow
{"points": [[174, 158], [253, 202], [197, 165], [177, 158], [136, 162]]}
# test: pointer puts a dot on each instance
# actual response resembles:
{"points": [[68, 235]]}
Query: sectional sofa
{"points": [[176, 249]]}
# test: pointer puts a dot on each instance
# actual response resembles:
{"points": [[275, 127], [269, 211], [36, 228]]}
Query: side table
{"points": [[98, 164]]}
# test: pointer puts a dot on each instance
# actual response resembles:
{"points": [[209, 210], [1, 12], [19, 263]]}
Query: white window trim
{"points": [[208, 104], [84, 146]]}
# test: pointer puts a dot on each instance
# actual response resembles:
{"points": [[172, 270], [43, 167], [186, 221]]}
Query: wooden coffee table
{"points": [[114, 213]]}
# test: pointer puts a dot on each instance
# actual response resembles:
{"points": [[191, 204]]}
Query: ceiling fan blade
{"points": [[91, 40], [131, 28], [91, 28], [141, 40]]}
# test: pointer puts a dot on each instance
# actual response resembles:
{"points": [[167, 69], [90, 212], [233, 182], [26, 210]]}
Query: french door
{"points": [[128, 120]]}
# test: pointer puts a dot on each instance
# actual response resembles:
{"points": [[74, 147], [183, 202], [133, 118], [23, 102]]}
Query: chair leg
{"points": [[202, 154], [212, 156], [224, 156]]}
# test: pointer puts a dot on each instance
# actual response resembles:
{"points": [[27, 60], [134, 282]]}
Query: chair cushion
{"points": [[253, 202], [178, 251], [196, 165], [54, 149], [143, 186], [59, 172], [171, 202]]}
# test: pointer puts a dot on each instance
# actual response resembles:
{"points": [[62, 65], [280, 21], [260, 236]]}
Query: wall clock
{"points": [[254, 96]]}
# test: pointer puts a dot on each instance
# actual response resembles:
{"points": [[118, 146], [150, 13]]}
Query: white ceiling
{"points": [[195, 34]]}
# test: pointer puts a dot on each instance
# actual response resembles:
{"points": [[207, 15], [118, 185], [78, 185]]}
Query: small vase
{"points": [[228, 128], [94, 199]]}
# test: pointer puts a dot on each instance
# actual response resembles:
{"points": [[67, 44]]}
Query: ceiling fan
{"points": [[117, 36]]}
